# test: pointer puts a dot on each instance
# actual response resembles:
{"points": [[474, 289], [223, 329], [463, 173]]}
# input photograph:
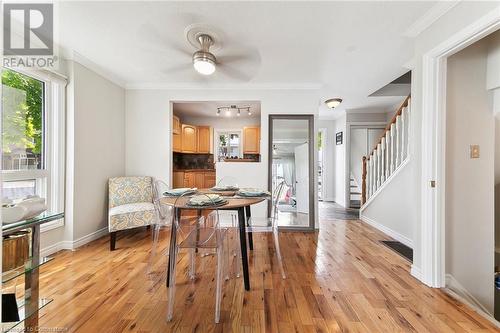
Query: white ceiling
{"points": [[209, 108], [344, 49]]}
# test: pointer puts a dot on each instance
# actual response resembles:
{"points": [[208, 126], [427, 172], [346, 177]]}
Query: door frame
{"points": [[312, 160], [433, 150]]}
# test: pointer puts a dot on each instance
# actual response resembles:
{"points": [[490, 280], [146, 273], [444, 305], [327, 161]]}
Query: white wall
{"points": [[95, 152], [462, 15], [340, 162], [328, 160], [148, 124], [470, 182], [388, 210]]}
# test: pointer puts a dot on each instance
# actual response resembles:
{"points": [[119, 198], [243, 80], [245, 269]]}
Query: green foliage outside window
{"points": [[22, 121]]}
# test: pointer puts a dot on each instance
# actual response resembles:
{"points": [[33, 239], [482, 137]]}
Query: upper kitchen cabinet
{"points": [[189, 139], [203, 139], [176, 125], [251, 140], [177, 142]]}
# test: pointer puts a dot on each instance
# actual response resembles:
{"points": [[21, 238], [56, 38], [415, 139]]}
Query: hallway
{"points": [[334, 211]]}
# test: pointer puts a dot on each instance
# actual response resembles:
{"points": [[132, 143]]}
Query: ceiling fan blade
{"points": [[158, 43], [177, 69], [233, 73], [246, 54]]}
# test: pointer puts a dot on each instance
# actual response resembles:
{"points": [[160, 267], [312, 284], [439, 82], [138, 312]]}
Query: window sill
{"points": [[52, 225]]}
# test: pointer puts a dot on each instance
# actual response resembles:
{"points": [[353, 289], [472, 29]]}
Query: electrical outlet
{"points": [[474, 151]]}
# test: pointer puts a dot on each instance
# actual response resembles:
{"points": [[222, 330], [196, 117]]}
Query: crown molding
{"points": [[241, 86], [77, 57], [431, 16]]}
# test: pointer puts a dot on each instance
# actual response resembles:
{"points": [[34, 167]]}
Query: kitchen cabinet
{"points": [[203, 140], [189, 179], [178, 179], [199, 179], [209, 179], [177, 143], [176, 125], [194, 178], [251, 140], [189, 140]]}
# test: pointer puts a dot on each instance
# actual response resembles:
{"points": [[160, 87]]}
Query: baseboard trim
{"points": [[90, 237], [397, 236], [416, 272], [72, 245], [458, 292]]}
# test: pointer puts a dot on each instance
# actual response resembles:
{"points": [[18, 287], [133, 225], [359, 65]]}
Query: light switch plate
{"points": [[474, 151]]}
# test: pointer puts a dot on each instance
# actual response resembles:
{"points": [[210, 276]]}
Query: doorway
{"points": [[291, 162]]}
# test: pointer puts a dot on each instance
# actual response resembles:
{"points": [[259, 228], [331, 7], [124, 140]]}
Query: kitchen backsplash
{"points": [[255, 157], [193, 161]]}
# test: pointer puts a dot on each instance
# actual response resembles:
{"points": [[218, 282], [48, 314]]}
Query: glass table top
{"points": [[40, 219]]}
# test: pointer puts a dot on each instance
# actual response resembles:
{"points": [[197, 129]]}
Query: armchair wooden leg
{"points": [[112, 240]]}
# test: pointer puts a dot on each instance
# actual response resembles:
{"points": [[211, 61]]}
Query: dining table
{"points": [[233, 203]]}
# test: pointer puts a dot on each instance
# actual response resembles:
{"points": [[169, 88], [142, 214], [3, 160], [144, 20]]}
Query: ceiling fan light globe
{"points": [[204, 62]]}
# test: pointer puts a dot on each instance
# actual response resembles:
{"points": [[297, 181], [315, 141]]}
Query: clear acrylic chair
{"points": [[229, 219], [202, 235], [164, 217], [256, 224]]}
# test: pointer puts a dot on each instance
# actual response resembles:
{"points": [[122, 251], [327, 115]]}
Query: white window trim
{"points": [[53, 144], [216, 140]]}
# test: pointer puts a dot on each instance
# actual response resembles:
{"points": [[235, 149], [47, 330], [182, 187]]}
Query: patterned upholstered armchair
{"points": [[130, 204]]}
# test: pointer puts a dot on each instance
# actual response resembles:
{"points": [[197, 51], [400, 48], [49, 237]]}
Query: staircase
{"points": [[355, 194], [389, 154]]}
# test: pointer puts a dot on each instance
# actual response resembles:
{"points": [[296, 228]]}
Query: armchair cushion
{"points": [[130, 203], [125, 190]]}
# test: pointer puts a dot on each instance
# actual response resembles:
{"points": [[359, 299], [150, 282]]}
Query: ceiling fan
{"points": [[241, 65]]}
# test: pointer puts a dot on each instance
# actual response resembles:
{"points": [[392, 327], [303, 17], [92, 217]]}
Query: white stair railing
{"points": [[391, 150]]}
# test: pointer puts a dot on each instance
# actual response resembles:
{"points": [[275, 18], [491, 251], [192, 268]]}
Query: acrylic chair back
{"points": [[227, 182], [164, 211], [208, 225], [275, 201]]}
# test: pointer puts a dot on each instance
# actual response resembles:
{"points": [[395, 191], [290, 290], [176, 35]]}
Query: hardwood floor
{"points": [[340, 280]]}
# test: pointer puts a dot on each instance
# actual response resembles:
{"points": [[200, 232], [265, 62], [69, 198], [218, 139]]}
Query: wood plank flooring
{"points": [[339, 280]]}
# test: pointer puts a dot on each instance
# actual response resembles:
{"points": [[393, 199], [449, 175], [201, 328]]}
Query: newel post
{"points": [[363, 182]]}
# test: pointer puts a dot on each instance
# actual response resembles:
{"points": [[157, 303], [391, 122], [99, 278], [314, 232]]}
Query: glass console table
{"points": [[30, 303]]}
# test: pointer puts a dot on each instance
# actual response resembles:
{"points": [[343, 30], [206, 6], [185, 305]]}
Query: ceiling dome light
{"points": [[332, 103]]}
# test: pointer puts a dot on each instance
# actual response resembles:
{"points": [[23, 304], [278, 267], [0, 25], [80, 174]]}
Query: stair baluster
{"points": [[393, 131], [391, 150], [387, 154], [382, 164], [403, 132], [363, 183], [398, 140], [378, 165]]}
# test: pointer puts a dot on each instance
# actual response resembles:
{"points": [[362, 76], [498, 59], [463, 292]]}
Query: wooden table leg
{"points": [[173, 235], [243, 244], [250, 237]]}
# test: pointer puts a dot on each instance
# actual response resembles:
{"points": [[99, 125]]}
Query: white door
{"points": [[302, 178]]}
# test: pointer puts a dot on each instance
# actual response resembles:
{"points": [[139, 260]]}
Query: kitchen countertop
{"points": [[191, 170]]}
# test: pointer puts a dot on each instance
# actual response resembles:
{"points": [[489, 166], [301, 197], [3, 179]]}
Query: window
{"points": [[228, 145], [33, 137]]}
